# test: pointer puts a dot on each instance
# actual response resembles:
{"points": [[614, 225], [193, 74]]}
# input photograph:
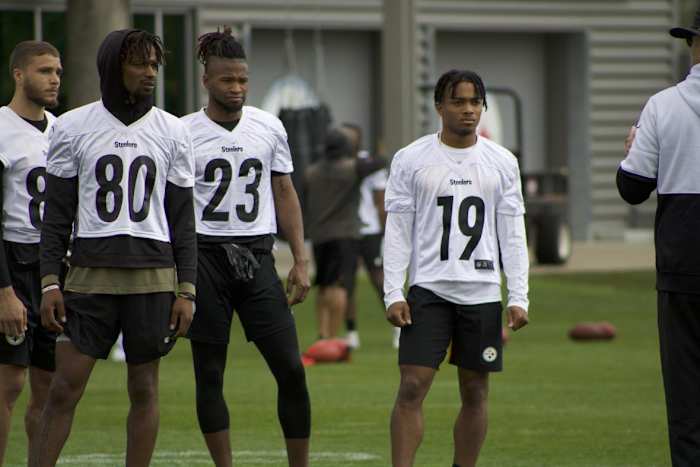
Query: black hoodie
{"points": [[120, 251], [115, 97]]}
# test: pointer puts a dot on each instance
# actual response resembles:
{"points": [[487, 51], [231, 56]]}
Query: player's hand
{"points": [[53, 313], [13, 314], [517, 317], [399, 314], [181, 316], [298, 283], [630, 138]]}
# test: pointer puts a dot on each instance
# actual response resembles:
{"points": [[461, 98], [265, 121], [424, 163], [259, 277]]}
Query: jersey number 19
{"points": [[473, 231]]}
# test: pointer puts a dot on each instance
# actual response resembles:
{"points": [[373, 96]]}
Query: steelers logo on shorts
{"points": [[489, 354], [15, 340]]}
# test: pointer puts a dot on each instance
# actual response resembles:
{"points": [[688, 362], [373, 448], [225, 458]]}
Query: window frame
{"points": [[158, 12]]}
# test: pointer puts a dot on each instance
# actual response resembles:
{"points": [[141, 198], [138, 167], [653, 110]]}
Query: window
{"points": [[175, 71], [53, 25], [176, 81], [15, 26]]}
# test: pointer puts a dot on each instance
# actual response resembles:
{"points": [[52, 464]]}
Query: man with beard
{"points": [[36, 69], [242, 189], [123, 170]]}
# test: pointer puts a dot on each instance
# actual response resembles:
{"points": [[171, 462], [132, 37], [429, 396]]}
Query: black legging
{"points": [[281, 352]]}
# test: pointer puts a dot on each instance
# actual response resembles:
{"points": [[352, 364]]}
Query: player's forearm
{"points": [[398, 245], [179, 210], [289, 217], [514, 255], [378, 198], [59, 213]]}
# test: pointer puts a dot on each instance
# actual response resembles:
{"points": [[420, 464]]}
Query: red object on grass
{"points": [[328, 351], [602, 330]]}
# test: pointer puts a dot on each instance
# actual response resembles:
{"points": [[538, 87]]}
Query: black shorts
{"points": [[95, 321], [473, 330], [371, 251], [261, 303], [336, 262], [38, 347]]}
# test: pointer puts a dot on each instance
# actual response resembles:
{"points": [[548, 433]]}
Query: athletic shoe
{"points": [[117, 354], [353, 340]]}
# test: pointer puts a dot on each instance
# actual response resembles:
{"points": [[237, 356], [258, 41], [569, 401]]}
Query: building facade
{"points": [[582, 70]]}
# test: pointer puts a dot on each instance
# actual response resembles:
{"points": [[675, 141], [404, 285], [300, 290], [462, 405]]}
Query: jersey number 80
{"points": [[111, 183]]}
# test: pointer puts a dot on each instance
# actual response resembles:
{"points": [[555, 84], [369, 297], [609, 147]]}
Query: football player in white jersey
{"points": [[243, 188], [455, 214], [35, 67], [121, 171]]}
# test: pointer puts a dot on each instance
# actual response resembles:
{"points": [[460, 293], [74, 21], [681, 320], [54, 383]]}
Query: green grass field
{"points": [[557, 403]]}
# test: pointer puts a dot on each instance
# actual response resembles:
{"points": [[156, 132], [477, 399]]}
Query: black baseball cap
{"points": [[688, 33]]}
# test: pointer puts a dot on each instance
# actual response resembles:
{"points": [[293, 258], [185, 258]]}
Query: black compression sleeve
{"points": [[281, 352], [59, 213], [5, 279], [179, 209], [209, 365], [633, 188]]}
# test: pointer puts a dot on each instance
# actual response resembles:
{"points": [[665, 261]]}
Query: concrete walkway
{"points": [[605, 256], [586, 257]]}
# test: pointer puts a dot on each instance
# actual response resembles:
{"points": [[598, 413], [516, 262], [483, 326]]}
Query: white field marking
{"points": [[202, 457]]}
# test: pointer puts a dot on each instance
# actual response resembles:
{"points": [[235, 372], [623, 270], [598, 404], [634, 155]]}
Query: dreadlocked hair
{"points": [[449, 81], [219, 44], [138, 45]]}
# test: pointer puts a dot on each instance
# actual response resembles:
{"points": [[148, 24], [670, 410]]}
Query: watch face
{"points": [[15, 340]]}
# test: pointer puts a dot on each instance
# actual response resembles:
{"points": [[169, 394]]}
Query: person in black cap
{"points": [[664, 157], [121, 171]]}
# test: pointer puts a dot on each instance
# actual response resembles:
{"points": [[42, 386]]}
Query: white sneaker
{"points": [[353, 339], [117, 354], [395, 339]]}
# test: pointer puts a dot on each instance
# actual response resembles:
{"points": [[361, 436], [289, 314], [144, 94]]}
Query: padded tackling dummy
{"points": [[328, 351]]}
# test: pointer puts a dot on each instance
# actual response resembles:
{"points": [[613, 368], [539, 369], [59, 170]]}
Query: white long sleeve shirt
{"points": [[453, 216]]}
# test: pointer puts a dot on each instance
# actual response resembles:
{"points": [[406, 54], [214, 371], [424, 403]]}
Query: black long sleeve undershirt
{"points": [[59, 211], [5, 278], [179, 210], [633, 188]]}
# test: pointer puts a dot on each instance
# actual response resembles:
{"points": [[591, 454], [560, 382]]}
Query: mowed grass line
{"points": [[558, 403]]}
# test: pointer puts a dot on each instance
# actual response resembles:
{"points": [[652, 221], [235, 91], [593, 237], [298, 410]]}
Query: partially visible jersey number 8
{"points": [[209, 213], [110, 182], [473, 231], [36, 187]]}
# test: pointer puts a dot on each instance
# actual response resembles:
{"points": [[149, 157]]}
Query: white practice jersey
{"points": [[233, 189], [23, 151], [122, 170], [370, 223], [455, 202]]}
